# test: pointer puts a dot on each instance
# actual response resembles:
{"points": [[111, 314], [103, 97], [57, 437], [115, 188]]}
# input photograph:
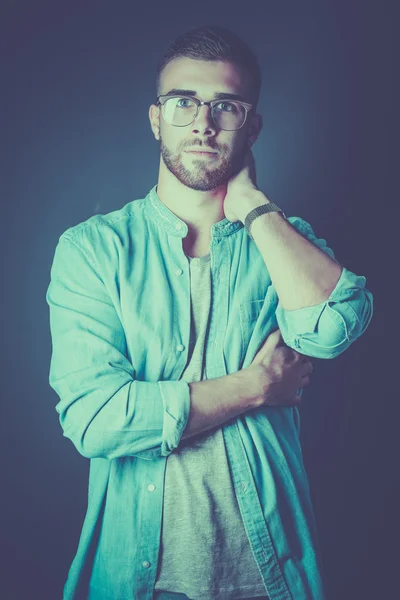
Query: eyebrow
{"points": [[217, 95]]}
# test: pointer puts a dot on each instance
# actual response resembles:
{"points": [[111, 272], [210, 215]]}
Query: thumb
{"points": [[275, 338]]}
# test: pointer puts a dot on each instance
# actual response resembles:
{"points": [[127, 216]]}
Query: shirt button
{"points": [[178, 226], [145, 564], [151, 487], [178, 272], [180, 348]]}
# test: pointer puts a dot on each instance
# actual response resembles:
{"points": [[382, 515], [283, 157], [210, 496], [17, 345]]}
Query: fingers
{"points": [[308, 367], [275, 336], [305, 361]]}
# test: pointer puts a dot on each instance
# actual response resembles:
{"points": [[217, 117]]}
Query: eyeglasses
{"points": [[181, 111]]}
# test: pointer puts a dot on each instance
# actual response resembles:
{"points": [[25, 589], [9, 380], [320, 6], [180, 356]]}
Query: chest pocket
{"points": [[249, 311]]}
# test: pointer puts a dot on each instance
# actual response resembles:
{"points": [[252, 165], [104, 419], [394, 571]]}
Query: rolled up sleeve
{"points": [[103, 409], [329, 328]]}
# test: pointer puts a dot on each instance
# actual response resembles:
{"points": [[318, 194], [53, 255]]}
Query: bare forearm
{"points": [[302, 274], [216, 401]]}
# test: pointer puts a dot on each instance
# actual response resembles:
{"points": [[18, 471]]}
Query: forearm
{"points": [[139, 418], [302, 274], [216, 401]]}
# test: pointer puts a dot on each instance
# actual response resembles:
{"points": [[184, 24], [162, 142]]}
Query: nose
{"points": [[203, 118]]}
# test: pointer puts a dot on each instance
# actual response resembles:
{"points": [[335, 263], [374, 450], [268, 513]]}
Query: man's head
{"points": [[207, 61]]}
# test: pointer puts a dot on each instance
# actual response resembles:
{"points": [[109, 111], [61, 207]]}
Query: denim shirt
{"points": [[119, 300]]}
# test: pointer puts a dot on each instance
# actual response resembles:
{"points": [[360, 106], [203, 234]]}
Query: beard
{"points": [[202, 174]]}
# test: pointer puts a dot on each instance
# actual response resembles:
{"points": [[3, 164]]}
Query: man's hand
{"points": [[240, 188], [283, 371]]}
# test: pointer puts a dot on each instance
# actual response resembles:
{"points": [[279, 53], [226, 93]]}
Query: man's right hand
{"points": [[283, 371]]}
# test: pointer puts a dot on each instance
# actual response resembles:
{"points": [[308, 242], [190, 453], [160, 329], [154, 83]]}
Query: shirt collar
{"points": [[172, 224]]}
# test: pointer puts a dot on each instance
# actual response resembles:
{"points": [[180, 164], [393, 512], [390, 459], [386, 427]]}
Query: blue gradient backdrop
{"points": [[77, 80]]}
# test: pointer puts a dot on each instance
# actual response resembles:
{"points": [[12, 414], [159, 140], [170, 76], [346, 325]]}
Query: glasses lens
{"points": [[181, 111], [229, 115]]}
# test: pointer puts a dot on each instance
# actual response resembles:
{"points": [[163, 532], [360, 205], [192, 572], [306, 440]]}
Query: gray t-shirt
{"points": [[204, 552]]}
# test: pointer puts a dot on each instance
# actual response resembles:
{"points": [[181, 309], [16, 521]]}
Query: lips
{"points": [[203, 151]]}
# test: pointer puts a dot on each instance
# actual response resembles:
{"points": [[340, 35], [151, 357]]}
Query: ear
{"points": [[154, 117]]}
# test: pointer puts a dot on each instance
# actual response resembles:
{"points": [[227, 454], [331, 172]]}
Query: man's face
{"points": [[206, 78]]}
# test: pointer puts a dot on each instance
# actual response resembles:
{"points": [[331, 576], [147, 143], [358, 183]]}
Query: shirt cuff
{"points": [[176, 399], [327, 329]]}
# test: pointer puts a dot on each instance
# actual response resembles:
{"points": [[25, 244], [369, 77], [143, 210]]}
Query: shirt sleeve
{"points": [[329, 328], [103, 409]]}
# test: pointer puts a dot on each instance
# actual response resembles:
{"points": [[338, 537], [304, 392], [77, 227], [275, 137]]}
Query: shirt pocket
{"points": [[249, 312]]}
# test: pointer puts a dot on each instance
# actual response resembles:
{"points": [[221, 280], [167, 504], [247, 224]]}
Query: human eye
{"points": [[189, 101], [231, 106]]}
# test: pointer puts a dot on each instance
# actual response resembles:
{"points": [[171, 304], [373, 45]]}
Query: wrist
{"points": [[251, 202], [256, 380]]}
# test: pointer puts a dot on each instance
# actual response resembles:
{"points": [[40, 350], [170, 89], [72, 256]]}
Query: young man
{"points": [[197, 487]]}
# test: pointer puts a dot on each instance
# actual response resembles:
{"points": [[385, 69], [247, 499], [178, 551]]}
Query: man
{"points": [[169, 377]]}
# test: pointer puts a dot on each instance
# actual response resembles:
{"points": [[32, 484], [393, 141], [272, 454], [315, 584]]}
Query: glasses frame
{"points": [[248, 107]]}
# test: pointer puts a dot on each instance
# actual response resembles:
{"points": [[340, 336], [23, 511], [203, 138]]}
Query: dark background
{"points": [[77, 80]]}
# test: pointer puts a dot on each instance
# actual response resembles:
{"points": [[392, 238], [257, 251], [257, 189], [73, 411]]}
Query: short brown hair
{"points": [[213, 42]]}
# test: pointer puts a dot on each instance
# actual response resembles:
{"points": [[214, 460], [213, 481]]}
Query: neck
{"points": [[199, 210]]}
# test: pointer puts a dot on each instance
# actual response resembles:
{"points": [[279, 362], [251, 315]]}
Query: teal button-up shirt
{"points": [[119, 300]]}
